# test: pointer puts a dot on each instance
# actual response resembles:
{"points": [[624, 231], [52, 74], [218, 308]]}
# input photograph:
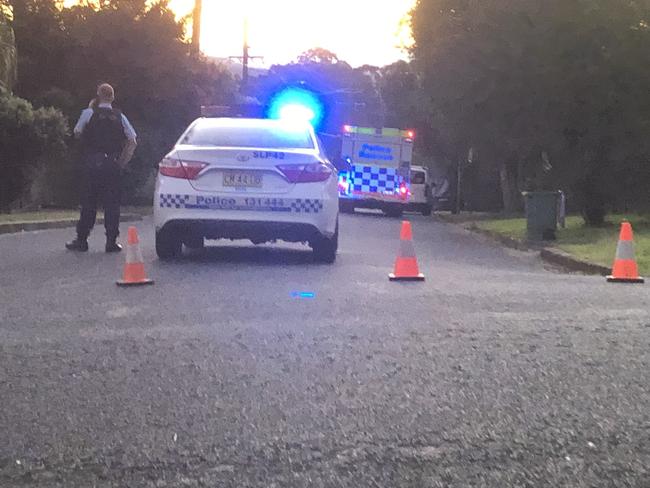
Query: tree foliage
{"points": [[28, 136], [8, 61], [137, 46], [318, 55], [517, 80]]}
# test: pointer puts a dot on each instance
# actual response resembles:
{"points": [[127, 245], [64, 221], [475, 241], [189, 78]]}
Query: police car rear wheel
{"points": [[194, 242], [325, 249], [168, 246]]}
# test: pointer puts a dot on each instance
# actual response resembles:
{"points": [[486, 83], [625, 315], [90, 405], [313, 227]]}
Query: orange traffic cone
{"points": [[134, 274], [406, 264], [625, 269]]}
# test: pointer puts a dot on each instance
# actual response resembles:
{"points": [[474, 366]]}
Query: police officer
{"points": [[108, 141]]}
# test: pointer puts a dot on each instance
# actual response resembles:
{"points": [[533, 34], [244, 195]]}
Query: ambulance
{"points": [[377, 173]]}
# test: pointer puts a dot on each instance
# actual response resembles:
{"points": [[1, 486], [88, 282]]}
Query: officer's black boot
{"points": [[113, 246], [80, 245]]}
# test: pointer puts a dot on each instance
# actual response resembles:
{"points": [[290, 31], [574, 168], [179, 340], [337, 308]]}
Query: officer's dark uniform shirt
{"points": [[87, 114]]}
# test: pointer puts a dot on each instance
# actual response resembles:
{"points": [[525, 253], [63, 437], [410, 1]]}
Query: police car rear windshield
{"points": [[274, 136]]}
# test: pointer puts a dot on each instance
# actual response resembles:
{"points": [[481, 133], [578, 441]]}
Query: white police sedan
{"points": [[256, 179]]}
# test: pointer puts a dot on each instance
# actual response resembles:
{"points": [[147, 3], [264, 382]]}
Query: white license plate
{"points": [[242, 179]]}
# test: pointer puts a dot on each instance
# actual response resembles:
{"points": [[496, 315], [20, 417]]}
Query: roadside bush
{"points": [[29, 139], [137, 46]]}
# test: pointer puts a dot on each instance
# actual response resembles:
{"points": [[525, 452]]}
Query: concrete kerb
{"points": [[15, 227], [565, 260], [547, 253]]}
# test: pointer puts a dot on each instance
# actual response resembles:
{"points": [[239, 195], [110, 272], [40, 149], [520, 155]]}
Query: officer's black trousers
{"points": [[101, 185]]}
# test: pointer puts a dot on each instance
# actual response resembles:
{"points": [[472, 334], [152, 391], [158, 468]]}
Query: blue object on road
{"points": [[303, 294]]}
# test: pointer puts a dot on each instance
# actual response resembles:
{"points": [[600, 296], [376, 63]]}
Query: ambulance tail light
{"points": [[305, 173], [404, 191], [187, 170]]}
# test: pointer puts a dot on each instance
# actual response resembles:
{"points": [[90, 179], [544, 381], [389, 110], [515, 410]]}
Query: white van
{"points": [[420, 199]]}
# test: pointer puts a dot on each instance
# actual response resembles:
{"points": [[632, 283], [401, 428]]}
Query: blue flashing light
{"points": [[297, 105]]}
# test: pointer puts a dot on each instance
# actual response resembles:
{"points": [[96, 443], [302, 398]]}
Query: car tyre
{"points": [[168, 246], [195, 242], [346, 207], [325, 248]]}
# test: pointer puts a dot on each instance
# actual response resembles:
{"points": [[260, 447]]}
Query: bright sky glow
{"points": [[358, 31]]}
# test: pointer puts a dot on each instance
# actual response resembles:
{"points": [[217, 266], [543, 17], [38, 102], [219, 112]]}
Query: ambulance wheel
{"points": [[394, 212], [426, 211], [325, 248], [346, 207], [168, 246]]}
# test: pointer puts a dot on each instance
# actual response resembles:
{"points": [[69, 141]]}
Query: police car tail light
{"points": [[344, 185], [305, 173], [174, 168]]}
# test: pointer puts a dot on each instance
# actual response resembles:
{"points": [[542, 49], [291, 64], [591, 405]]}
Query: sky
{"points": [[358, 31]]}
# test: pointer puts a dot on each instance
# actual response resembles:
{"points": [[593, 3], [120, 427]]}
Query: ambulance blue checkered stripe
{"points": [[373, 179]]}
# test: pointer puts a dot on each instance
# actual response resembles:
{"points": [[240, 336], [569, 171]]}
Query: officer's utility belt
{"points": [[102, 160]]}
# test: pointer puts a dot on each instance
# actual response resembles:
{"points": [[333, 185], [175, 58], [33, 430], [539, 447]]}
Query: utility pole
{"points": [[244, 66], [245, 58], [196, 27]]}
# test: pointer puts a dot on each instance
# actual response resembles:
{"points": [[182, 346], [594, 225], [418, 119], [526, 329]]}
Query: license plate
{"points": [[242, 179]]}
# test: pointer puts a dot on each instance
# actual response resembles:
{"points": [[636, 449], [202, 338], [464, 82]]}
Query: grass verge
{"points": [[593, 244], [50, 215]]}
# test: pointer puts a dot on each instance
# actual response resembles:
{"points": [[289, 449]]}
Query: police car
{"points": [[244, 178]]}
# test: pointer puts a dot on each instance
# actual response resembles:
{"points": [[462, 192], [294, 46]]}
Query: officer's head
{"points": [[105, 93]]}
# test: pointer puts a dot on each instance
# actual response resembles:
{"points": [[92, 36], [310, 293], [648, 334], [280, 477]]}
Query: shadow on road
{"points": [[254, 255]]}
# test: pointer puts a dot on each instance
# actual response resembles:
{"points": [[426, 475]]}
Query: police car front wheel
{"points": [[168, 245]]}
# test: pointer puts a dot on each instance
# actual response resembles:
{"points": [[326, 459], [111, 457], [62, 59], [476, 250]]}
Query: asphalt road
{"points": [[495, 372]]}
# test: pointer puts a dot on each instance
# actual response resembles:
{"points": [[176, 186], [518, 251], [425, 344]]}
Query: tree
{"points": [[318, 55], [515, 79], [137, 46], [8, 61], [27, 138], [401, 94]]}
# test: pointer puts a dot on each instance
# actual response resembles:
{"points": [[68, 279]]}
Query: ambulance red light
{"points": [[410, 134], [404, 191], [347, 128]]}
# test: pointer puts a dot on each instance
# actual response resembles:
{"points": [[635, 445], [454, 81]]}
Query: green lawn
{"points": [[597, 245]]}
